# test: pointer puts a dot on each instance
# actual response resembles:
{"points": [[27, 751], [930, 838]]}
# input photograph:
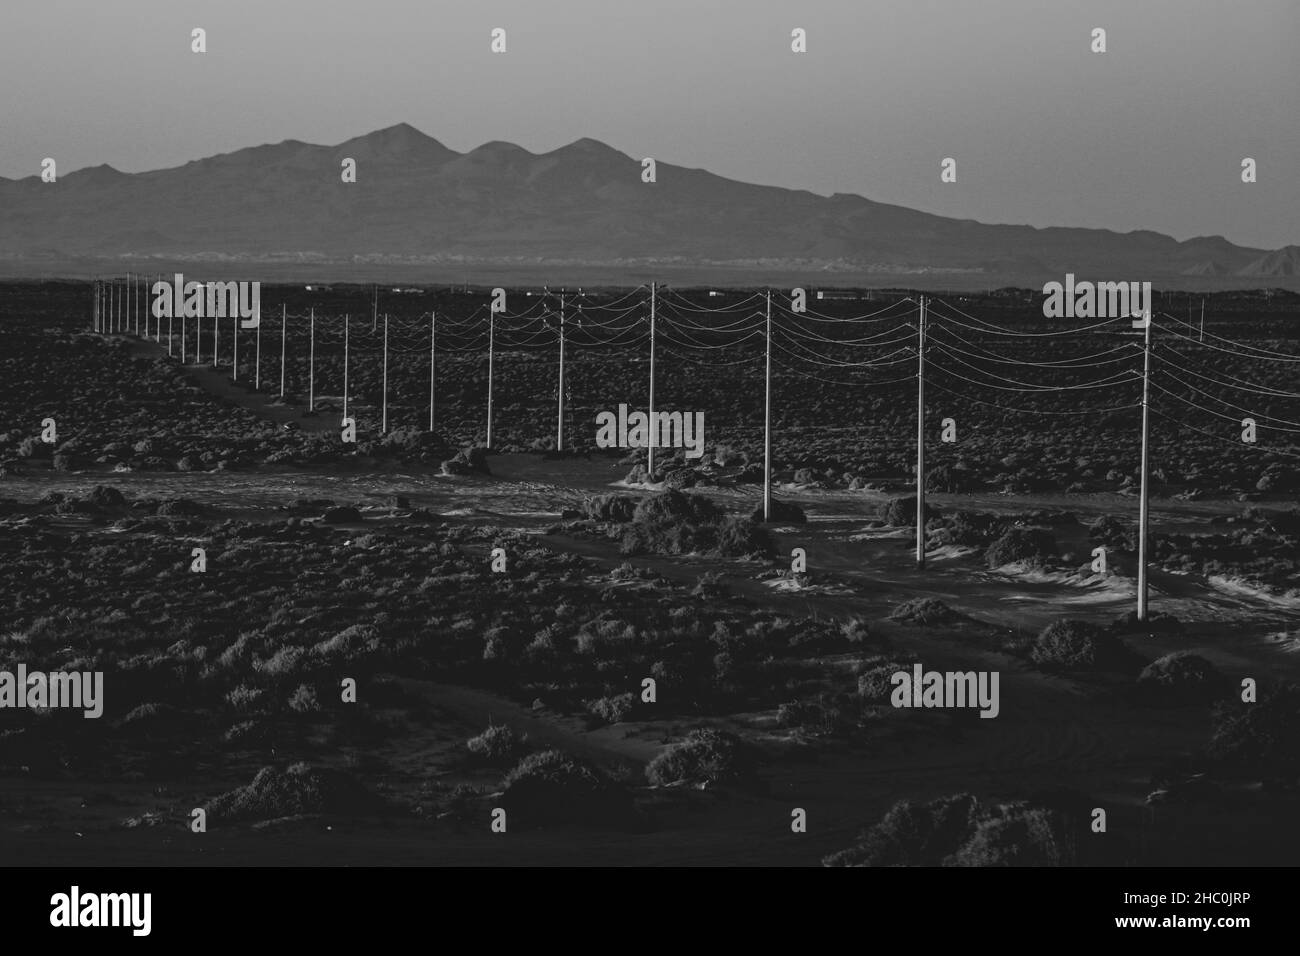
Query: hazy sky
{"points": [[1149, 135]]}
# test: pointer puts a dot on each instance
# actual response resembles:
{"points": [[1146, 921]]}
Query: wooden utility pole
{"points": [[920, 438], [1146, 435], [559, 421], [311, 366], [383, 425], [650, 448], [491, 348], [257, 352], [433, 342], [767, 419], [283, 337]]}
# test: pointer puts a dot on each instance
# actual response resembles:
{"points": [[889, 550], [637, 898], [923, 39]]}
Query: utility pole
{"points": [[347, 325], [920, 438], [767, 419], [650, 448], [283, 336], [1202, 318], [559, 422], [383, 426], [235, 327], [257, 353], [492, 316], [311, 365], [433, 342], [1146, 434]]}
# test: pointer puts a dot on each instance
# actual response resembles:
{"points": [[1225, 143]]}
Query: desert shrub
{"points": [[348, 644], [497, 743], [710, 585], [969, 528], [741, 537], [680, 478], [303, 700], [875, 679], [1261, 737], [33, 447], [612, 710], [1029, 545], [671, 507], [244, 697], [1114, 533], [958, 831], [462, 801], [675, 523], [825, 713], [1182, 678], [552, 787], [1018, 835], [297, 790], [715, 756], [924, 610], [1080, 645], [901, 512], [726, 456], [948, 479], [782, 512], [344, 514], [856, 630], [617, 508], [106, 496], [912, 835]]}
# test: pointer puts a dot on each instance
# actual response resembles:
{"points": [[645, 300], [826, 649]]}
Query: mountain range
{"points": [[419, 205]]}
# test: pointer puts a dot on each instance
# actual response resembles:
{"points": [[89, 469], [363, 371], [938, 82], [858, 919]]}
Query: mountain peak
{"points": [[499, 147], [103, 173], [587, 145], [397, 141], [401, 132]]}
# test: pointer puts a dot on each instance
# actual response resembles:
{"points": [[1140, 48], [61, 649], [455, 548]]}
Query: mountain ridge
{"points": [[583, 202]]}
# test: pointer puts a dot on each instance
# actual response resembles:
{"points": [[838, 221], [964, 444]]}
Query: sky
{"points": [[1148, 135]]}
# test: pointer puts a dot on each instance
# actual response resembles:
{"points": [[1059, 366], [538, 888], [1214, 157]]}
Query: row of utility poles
{"points": [[110, 312]]}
